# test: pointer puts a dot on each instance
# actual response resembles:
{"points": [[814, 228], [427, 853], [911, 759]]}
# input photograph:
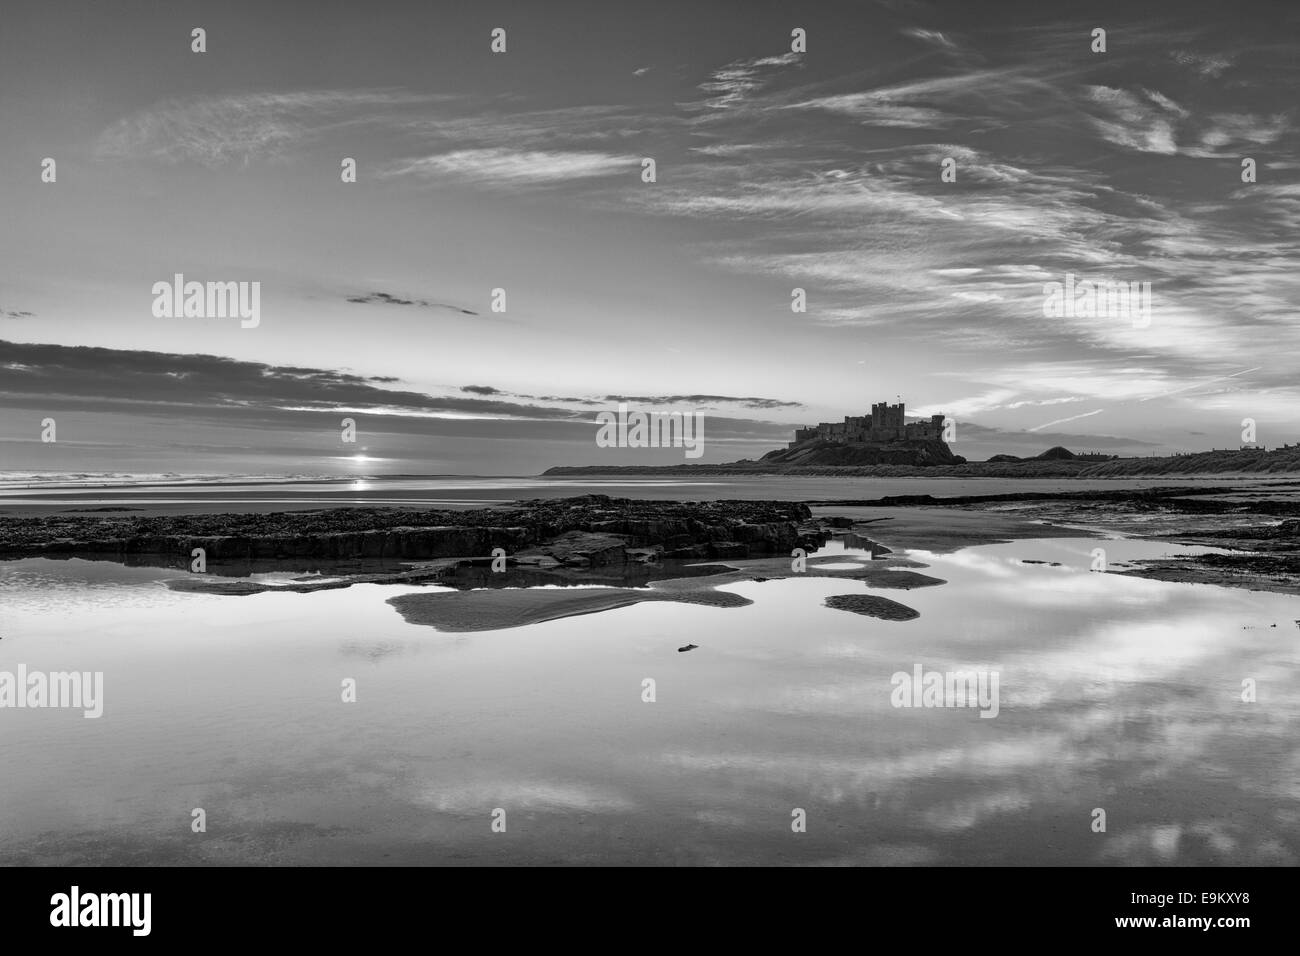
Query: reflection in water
{"points": [[1116, 693]]}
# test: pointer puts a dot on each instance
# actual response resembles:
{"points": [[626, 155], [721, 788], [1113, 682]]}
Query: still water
{"points": [[1116, 693]]}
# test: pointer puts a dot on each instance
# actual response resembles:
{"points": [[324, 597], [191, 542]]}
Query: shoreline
{"points": [[629, 543], [468, 493]]}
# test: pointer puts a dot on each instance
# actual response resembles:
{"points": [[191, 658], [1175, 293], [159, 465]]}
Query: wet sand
{"points": [[944, 530], [1244, 520]]}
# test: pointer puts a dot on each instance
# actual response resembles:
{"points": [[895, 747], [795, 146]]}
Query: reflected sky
{"points": [[1116, 693]]}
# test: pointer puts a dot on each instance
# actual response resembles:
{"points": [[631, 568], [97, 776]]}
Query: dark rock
{"points": [[872, 606], [584, 531], [728, 549]]}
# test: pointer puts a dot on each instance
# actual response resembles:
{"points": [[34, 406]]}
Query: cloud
{"points": [[968, 97], [225, 392], [1151, 122], [879, 108], [8, 314], [214, 388], [702, 400], [695, 400], [930, 37], [591, 402], [793, 170], [476, 122], [512, 167], [967, 407], [1165, 103], [239, 128], [1128, 121], [730, 85], [1062, 421], [727, 150], [187, 384], [1224, 135], [384, 298], [1206, 65]]}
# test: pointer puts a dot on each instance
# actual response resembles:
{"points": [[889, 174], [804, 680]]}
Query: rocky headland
{"points": [[819, 458]]}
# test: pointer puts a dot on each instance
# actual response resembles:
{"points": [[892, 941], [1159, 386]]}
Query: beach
{"points": [[481, 691]]}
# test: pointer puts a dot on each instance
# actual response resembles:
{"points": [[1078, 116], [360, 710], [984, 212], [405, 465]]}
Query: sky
{"points": [[523, 170]]}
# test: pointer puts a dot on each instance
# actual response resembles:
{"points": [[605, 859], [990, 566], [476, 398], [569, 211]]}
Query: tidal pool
{"points": [[1116, 693]]}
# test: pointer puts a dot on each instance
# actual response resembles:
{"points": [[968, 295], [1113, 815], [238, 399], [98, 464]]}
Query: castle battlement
{"points": [[886, 423]]}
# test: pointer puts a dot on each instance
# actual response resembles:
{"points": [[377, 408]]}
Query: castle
{"points": [[886, 423]]}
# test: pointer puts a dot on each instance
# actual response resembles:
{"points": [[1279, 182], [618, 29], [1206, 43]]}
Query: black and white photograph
{"points": [[735, 435]]}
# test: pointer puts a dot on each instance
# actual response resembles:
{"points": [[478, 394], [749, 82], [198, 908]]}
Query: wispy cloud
{"points": [[729, 86], [510, 167], [970, 98], [1210, 66], [787, 172], [1129, 121], [384, 298], [750, 402], [1062, 421], [240, 128], [930, 37], [695, 401]]}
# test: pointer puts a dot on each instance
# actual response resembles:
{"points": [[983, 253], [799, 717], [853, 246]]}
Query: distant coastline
{"points": [[1246, 461]]}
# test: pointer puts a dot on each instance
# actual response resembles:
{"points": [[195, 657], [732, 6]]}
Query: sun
{"points": [[360, 458]]}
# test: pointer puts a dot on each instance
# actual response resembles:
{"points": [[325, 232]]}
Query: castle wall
{"points": [[885, 423]]}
